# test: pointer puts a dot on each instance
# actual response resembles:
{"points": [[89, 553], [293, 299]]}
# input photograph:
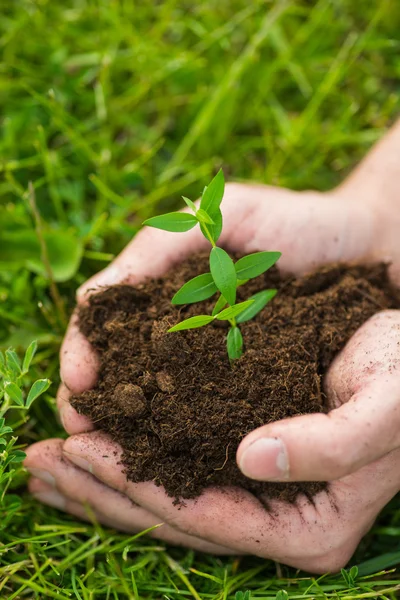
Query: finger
{"points": [[366, 427], [79, 364], [229, 517], [61, 484], [70, 419]]}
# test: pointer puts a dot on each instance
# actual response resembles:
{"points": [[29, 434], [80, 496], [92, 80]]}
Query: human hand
{"points": [[309, 229]]}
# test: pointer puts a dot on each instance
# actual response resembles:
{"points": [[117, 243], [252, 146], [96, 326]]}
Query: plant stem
{"points": [[209, 235]]}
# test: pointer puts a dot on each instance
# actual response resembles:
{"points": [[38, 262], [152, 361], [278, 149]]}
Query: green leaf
{"points": [[232, 311], [221, 302], [353, 572], [197, 289], [17, 456], [29, 354], [345, 575], [282, 595], [192, 323], [40, 386], [190, 204], [224, 274], [15, 393], [175, 221], [261, 299], [204, 217], [213, 194], [22, 249], [5, 430], [241, 282], [234, 343], [13, 361], [214, 230], [255, 264]]}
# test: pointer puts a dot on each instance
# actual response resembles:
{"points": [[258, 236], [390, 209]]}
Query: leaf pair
{"points": [[208, 216], [225, 276], [15, 393], [201, 320]]}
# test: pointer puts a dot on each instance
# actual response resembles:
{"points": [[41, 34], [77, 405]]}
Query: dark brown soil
{"points": [[173, 401]]}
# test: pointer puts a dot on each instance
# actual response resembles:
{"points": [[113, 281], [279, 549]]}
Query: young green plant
{"points": [[225, 275]]}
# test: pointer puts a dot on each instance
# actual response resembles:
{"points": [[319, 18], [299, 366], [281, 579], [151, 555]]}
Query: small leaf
{"points": [[255, 264], [17, 456], [241, 282], [234, 343], [345, 576], [261, 299], [190, 204], [13, 361], [221, 302], [232, 311], [196, 290], [15, 393], [213, 194], [282, 595], [224, 274], [5, 430], [204, 217], [214, 230], [192, 323], [40, 386], [175, 221], [29, 354], [354, 572]]}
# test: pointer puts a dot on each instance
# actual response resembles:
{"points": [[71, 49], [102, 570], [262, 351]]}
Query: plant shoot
{"points": [[225, 275]]}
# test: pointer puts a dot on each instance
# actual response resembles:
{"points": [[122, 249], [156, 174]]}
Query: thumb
{"points": [[364, 378], [321, 447]]}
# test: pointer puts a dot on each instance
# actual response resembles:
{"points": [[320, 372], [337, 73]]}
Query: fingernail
{"points": [[80, 462], [52, 499], [265, 459], [43, 476]]}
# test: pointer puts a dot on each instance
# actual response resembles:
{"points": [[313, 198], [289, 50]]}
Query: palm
{"points": [[308, 229]]}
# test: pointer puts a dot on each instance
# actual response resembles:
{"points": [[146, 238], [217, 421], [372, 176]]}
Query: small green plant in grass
{"points": [[225, 275], [350, 576], [13, 373]]}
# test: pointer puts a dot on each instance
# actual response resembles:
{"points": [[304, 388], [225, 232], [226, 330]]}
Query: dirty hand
{"points": [[362, 385]]}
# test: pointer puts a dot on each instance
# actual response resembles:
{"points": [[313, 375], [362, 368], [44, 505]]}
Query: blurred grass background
{"points": [[113, 109]]}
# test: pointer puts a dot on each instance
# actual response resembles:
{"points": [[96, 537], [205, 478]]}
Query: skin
{"points": [[356, 445]]}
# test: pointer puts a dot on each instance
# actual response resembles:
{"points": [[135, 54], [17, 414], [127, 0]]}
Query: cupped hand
{"points": [[309, 229]]}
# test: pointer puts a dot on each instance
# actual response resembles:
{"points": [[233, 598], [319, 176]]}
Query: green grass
{"points": [[113, 109]]}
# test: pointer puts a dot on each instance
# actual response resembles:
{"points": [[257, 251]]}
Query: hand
{"points": [[309, 229]]}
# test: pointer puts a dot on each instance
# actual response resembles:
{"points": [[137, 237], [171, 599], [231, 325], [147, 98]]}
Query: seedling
{"points": [[225, 276]]}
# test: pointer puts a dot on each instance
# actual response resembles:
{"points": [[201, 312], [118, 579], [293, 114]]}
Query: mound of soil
{"points": [[174, 402]]}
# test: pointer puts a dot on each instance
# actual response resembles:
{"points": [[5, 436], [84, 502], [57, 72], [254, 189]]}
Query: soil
{"points": [[176, 405]]}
